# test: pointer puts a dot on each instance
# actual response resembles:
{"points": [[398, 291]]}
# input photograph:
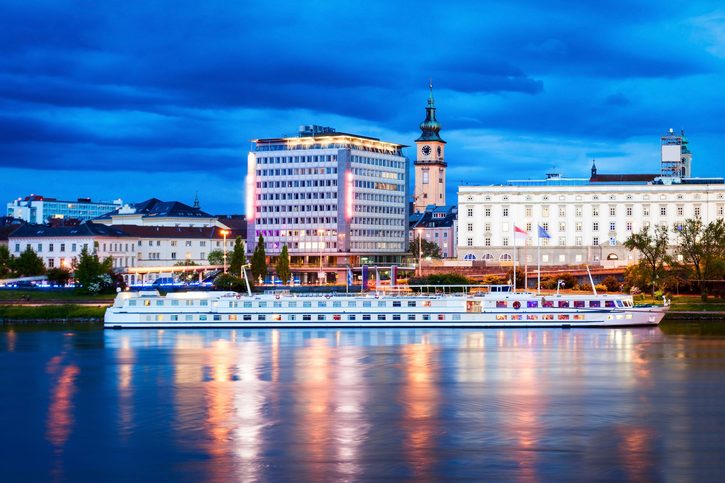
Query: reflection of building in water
{"points": [[350, 417], [421, 397], [313, 399], [59, 422], [126, 359]]}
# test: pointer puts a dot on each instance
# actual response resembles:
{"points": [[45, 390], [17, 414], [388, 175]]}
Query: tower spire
{"points": [[430, 127]]}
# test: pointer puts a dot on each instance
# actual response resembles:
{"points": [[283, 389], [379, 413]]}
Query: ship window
{"points": [[367, 303], [381, 316], [202, 317], [276, 317], [174, 318], [292, 317], [306, 304], [159, 317], [247, 317], [547, 303], [426, 316], [277, 304], [578, 316], [396, 303], [578, 304], [411, 316], [160, 303], [147, 303], [189, 303], [322, 304], [500, 304], [337, 303], [366, 316], [426, 303], [456, 316], [306, 317], [381, 303], [203, 303], [532, 317], [217, 317], [548, 316], [563, 317], [233, 317], [411, 303], [351, 317], [517, 317], [247, 305], [320, 316], [292, 305], [336, 317], [609, 303], [595, 303], [441, 317], [262, 304], [174, 303], [132, 303], [532, 304], [352, 303], [500, 317], [396, 316], [261, 317], [189, 317], [563, 303]]}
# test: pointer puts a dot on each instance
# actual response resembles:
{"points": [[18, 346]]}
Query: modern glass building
{"points": [[39, 209]]}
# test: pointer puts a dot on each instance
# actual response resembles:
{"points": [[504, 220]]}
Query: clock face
{"points": [[426, 150]]}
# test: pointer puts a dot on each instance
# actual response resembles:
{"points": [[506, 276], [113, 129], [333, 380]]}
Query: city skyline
{"points": [[135, 101]]}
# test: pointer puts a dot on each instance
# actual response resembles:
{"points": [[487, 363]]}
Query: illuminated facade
{"points": [[430, 165], [327, 195], [38, 209]]}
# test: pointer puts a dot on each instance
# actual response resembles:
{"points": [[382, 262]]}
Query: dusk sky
{"points": [[132, 100]]}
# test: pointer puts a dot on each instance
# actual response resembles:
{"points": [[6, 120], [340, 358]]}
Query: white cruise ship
{"points": [[498, 307]]}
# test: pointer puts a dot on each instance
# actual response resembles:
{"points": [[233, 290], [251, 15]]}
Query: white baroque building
{"points": [[334, 197], [588, 219]]}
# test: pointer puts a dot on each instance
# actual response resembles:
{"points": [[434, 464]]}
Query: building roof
{"points": [[155, 208], [83, 230], [623, 178], [139, 231], [434, 217]]}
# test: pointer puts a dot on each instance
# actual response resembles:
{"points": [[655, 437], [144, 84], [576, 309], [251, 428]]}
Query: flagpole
{"points": [[514, 271], [526, 263]]}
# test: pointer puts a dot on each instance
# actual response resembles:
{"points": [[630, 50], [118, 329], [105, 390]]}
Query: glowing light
{"points": [[348, 195], [251, 186]]}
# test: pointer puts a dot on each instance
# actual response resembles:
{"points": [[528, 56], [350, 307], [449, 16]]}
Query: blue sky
{"points": [[160, 98]]}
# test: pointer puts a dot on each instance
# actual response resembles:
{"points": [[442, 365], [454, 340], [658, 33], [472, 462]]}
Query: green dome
{"points": [[430, 127]]}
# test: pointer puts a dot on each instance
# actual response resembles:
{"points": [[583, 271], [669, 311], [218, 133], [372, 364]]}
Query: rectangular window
{"points": [[505, 211], [469, 211], [612, 211], [629, 211], [595, 241], [50, 247], [663, 211], [612, 226], [487, 212], [595, 303]]}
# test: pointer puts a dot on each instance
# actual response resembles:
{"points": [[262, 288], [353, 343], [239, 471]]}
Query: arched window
{"points": [[505, 257], [487, 256], [469, 256], [612, 256]]}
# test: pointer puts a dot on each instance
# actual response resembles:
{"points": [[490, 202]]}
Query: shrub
{"points": [[601, 288], [612, 284], [227, 281]]}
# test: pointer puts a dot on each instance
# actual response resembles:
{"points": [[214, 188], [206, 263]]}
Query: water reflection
{"points": [[257, 405]]}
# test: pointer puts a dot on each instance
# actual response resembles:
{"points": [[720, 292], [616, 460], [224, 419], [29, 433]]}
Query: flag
{"points": [[349, 276], [520, 232], [543, 233]]}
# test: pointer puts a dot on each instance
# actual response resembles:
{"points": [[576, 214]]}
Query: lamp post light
{"points": [[420, 251], [224, 234]]}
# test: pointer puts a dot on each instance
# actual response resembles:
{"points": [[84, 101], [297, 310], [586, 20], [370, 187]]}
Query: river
{"points": [[627, 404]]}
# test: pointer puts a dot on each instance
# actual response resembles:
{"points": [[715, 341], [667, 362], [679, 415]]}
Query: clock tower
{"points": [[430, 165]]}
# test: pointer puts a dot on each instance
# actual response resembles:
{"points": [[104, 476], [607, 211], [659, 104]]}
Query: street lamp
{"points": [[224, 234], [420, 251]]}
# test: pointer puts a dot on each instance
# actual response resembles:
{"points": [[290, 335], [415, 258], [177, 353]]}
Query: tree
{"points": [[520, 275], [189, 276], [238, 258], [424, 248], [612, 284], [282, 266], [703, 247], [227, 281], [91, 275], [6, 262], [216, 257], [653, 247], [259, 260], [28, 264], [58, 276]]}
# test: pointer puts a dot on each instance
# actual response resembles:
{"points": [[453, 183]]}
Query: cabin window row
{"points": [[577, 304], [297, 317]]}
